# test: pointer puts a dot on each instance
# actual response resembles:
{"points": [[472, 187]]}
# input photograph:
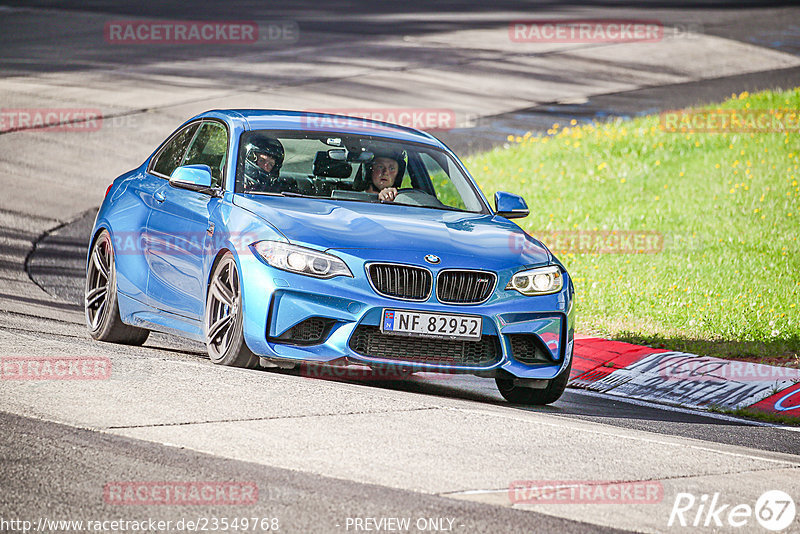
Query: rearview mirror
{"points": [[510, 206], [359, 157], [337, 154], [193, 177]]}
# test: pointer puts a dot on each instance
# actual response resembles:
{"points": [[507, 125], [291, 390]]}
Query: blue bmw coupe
{"points": [[284, 238]]}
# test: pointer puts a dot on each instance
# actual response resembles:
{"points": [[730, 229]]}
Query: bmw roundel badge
{"points": [[430, 258]]}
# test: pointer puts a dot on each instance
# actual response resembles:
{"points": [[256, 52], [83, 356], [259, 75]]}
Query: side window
{"points": [[210, 147], [170, 157], [446, 191]]}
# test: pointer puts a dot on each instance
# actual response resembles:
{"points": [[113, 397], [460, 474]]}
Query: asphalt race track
{"points": [[441, 451]]}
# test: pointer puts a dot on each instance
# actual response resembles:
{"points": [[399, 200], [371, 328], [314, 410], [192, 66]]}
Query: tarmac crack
{"points": [[272, 418], [625, 481]]}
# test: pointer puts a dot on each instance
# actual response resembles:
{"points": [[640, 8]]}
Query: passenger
{"points": [[386, 175], [262, 165]]}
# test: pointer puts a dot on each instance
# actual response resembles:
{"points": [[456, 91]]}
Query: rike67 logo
{"points": [[774, 510]]}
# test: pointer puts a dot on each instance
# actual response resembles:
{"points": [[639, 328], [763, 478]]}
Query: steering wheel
{"points": [[416, 197]]}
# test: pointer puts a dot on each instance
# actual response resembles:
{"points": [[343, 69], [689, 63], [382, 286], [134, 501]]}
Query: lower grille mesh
{"points": [[308, 332], [525, 349], [370, 341]]}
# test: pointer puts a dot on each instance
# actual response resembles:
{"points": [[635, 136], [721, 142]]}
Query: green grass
{"points": [[767, 417], [726, 281]]}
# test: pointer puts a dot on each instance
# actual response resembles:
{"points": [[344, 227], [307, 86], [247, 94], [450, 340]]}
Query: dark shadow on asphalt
{"points": [[42, 302], [572, 403]]}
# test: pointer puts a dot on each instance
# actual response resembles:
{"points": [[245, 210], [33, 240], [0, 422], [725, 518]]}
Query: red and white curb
{"points": [[682, 379]]}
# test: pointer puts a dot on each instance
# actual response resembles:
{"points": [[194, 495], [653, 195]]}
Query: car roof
{"points": [[272, 119]]}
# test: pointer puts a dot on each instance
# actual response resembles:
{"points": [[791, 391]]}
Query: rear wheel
{"points": [[223, 317], [100, 298], [537, 397]]}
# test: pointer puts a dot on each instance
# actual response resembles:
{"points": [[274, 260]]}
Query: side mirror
{"points": [[193, 177], [510, 206]]}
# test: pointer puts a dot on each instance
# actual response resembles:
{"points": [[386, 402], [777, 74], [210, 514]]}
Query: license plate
{"points": [[412, 323]]}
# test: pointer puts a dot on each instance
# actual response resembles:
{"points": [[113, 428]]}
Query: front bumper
{"points": [[275, 301]]}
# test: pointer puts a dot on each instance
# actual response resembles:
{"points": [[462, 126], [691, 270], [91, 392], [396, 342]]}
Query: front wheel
{"points": [[535, 397], [223, 317], [100, 298]]}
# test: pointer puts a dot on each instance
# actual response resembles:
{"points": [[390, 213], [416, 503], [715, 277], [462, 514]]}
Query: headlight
{"points": [[301, 260], [539, 281]]}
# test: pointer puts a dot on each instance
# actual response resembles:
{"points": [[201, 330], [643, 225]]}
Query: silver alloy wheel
{"points": [[98, 282], [222, 308]]}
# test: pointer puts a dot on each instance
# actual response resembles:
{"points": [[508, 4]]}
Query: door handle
{"points": [[160, 196]]}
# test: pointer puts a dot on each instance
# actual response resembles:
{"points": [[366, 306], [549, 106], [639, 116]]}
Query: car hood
{"points": [[340, 225]]}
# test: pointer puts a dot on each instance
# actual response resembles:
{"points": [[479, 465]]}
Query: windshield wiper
{"points": [[282, 194], [444, 208]]}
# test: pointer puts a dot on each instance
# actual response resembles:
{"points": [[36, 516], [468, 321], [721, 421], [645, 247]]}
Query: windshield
{"points": [[346, 167]]}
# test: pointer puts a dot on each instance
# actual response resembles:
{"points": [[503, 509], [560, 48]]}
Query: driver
{"points": [[262, 165], [386, 174]]}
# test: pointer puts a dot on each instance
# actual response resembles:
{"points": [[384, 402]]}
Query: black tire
{"points": [[535, 397], [222, 321], [100, 298]]}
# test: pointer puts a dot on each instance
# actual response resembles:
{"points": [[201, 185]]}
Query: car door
{"points": [[179, 229], [132, 211]]}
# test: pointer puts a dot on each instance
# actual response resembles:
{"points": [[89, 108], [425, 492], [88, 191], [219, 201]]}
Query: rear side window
{"points": [[210, 147], [170, 157]]}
